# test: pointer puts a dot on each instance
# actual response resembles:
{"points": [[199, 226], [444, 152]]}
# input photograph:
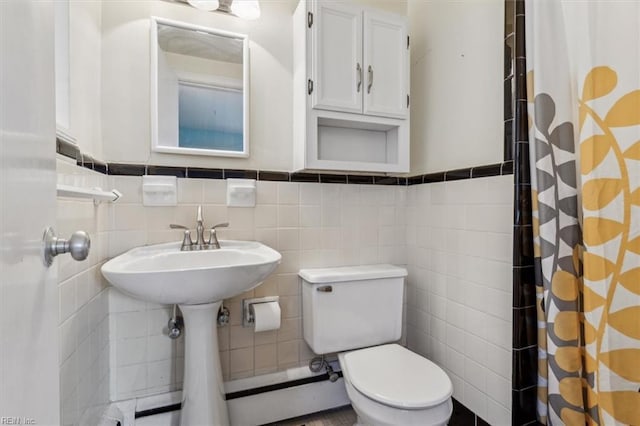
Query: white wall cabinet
{"points": [[386, 54], [351, 88], [336, 77]]}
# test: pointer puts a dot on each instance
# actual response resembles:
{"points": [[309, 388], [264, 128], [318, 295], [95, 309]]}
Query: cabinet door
{"points": [[337, 57], [386, 58]]}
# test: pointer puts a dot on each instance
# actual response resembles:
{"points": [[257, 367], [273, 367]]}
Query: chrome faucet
{"points": [[199, 228], [199, 244]]}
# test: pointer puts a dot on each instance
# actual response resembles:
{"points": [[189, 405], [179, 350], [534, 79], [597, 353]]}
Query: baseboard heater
{"points": [[244, 393]]}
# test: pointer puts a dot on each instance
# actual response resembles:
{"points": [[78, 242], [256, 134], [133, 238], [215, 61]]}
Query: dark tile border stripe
{"points": [[415, 180], [304, 177], [385, 180], [525, 333], [433, 177], [240, 174], [328, 178], [273, 176], [485, 171], [67, 149], [459, 174], [360, 179], [198, 173], [180, 172], [70, 150], [126, 169]]}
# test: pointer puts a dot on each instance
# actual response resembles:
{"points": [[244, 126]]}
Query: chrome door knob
{"points": [[78, 245]]}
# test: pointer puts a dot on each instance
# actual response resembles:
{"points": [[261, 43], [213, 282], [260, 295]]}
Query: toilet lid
{"points": [[397, 377]]}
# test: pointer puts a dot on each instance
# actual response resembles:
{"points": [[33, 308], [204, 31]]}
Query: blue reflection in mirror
{"points": [[210, 117]]}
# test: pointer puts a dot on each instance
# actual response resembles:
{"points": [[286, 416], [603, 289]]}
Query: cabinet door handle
{"points": [[359, 72], [370, 72]]}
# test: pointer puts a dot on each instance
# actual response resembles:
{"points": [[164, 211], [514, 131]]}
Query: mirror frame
{"points": [[155, 147]]}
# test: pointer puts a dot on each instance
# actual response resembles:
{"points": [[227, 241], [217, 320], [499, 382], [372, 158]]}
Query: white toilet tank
{"points": [[351, 307]]}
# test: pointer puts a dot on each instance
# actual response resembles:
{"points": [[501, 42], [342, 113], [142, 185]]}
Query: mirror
{"points": [[199, 90]]}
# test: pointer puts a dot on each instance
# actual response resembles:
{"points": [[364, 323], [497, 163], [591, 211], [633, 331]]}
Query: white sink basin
{"points": [[197, 281], [162, 273]]}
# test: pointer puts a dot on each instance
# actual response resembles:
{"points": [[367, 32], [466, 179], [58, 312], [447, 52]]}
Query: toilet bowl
{"points": [[357, 312], [390, 385]]}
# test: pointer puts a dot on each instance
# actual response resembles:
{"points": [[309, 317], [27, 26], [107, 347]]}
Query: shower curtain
{"points": [[583, 75]]}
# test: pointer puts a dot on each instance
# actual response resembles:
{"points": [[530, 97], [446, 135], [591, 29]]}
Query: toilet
{"points": [[356, 311]]}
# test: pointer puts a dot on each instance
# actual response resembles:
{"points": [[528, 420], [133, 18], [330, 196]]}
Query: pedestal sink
{"points": [[197, 281]]}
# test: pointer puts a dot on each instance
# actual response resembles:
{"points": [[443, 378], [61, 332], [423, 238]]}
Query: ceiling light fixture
{"points": [[245, 9], [207, 5]]}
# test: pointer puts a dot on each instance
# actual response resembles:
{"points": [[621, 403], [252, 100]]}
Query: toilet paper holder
{"points": [[248, 318]]}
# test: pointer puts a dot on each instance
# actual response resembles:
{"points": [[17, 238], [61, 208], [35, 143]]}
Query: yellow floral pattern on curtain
{"points": [[610, 168], [589, 308], [557, 245]]}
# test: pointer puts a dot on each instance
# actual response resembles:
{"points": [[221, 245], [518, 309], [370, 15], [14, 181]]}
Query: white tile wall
{"points": [[459, 244], [83, 305], [143, 359], [312, 225], [454, 237]]}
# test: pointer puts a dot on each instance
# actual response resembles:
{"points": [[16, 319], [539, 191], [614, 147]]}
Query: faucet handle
{"points": [[174, 226], [187, 242], [213, 237], [199, 215]]}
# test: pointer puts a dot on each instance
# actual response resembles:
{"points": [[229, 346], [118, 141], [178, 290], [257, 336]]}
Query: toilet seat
{"points": [[394, 376]]}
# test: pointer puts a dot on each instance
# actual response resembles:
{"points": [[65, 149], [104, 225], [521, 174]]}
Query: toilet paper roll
{"points": [[266, 316]]}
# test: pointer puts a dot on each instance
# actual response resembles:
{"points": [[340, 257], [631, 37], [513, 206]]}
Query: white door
{"points": [[386, 56], [337, 68], [29, 378]]}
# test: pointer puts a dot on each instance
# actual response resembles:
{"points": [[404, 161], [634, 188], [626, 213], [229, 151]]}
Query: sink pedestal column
{"points": [[203, 396]]}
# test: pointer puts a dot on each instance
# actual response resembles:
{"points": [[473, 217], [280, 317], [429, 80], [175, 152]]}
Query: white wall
{"points": [[85, 93], [456, 83], [83, 304], [459, 239]]}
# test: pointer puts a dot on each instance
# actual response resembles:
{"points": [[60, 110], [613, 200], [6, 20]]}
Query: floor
{"points": [[344, 416]]}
